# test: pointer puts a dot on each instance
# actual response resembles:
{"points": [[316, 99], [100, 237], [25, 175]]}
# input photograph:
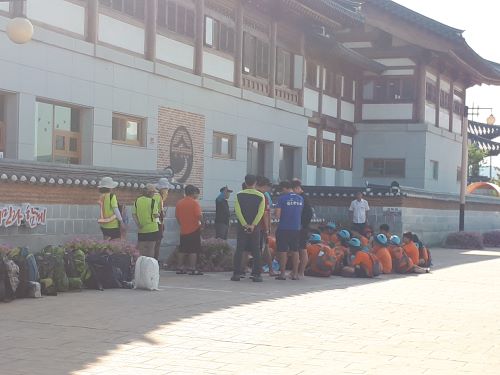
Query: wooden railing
{"points": [[259, 85], [288, 95]]}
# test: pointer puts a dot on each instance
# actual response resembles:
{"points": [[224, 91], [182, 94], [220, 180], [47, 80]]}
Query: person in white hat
{"points": [[110, 218], [163, 186]]}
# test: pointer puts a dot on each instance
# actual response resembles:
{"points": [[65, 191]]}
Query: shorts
{"points": [[146, 237], [248, 242], [190, 243], [111, 233], [287, 240], [304, 237]]}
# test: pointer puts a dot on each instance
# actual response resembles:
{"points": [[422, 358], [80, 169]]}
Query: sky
{"points": [[479, 19]]}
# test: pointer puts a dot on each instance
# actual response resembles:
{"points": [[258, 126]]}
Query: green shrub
{"points": [[464, 240]]}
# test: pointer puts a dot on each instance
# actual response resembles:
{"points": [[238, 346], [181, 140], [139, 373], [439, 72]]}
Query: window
{"points": [[57, 133], [132, 8], [347, 89], [283, 68], [128, 130], [330, 83], [444, 99], [287, 162], [311, 150], [346, 157], [385, 167], [218, 35], [177, 18], [431, 92], [434, 170], [255, 56], [312, 74], [328, 153], [223, 145], [256, 157], [458, 108], [389, 90]]}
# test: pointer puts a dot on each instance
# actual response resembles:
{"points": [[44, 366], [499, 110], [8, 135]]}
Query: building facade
{"points": [[322, 90]]}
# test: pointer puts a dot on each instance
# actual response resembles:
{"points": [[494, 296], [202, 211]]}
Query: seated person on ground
{"points": [[382, 253], [402, 263], [322, 258], [425, 259], [363, 265], [341, 251], [384, 229], [410, 248], [329, 234]]}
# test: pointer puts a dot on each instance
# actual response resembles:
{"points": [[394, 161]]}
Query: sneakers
{"points": [[235, 278]]}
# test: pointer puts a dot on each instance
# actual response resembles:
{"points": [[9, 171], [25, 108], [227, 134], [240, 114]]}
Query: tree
{"points": [[476, 160]]}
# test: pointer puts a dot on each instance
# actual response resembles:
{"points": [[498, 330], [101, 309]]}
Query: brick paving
{"points": [[446, 322]]}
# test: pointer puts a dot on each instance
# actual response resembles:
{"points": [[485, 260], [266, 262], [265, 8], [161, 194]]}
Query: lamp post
{"points": [[473, 112], [19, 28]]}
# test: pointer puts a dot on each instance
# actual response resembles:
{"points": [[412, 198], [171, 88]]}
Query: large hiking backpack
{"points": [[124, 263], [28, 270], [376, 265], [46, 268], [60, 278], [147, 273], [70, 267], [9, 278], [425, 255], [322, 261], [103, 274]]}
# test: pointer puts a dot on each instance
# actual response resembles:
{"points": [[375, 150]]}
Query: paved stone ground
{"points": [[446, 322]]}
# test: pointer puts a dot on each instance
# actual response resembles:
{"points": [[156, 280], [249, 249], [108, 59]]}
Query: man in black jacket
{"points": [[307, 215], [222, 213]]}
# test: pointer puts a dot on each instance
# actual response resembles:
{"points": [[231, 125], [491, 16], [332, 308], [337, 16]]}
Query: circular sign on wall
{"points": [[181, 154]]}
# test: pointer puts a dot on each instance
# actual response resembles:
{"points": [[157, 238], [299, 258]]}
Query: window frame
{"points": [[308, 83], [330, 161], [164, 28], [444, 99], [312, 144], [282, 54], [141, 131], [384, 168], [231, 145], [435, 170], [381, 87], [431, 95], [217, 35], [122, 14]]}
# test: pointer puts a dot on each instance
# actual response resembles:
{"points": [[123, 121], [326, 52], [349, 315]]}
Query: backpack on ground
{"points": [[376, 266], [9, 279], [425, 254], [46, 268], [72, 272], [103, 274], [60, 278], [124, 263], [28, 270], [401, 262], [147, 274]]}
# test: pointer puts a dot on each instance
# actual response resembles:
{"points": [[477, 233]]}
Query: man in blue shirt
{"points": [[288, 210]]}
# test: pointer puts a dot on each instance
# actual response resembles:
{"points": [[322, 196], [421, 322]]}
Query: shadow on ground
{"points": [[64, 334]]}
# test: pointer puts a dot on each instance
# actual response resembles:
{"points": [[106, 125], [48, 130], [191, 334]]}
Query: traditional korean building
{"points": [[335, 92]]}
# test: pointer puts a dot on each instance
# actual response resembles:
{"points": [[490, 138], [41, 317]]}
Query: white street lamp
{"points": [[20, 30]]}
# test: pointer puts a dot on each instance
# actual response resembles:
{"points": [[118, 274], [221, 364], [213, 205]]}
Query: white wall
{"points": [[403, 111], [121, 34], [311, 175], [311, 99], [329, 176], [444, 119], [457, 124], [447, 151], [59, 13], [430, 114], [329, 106], [218, 66], [347, 111], [4, 7], [174, 52]]}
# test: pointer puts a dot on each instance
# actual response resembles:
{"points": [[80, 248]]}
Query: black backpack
{"points": [[124, 263], [104, 274], [47, 264], [7, 294]]}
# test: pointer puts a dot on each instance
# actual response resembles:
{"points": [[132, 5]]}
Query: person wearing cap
{"points": [[380, 250], [222, 213], [163, 186], [110, 218], [189, 216], [322, 259], [329, 234], [357, 211], [402, 263], [363, 264], [146, 213]]}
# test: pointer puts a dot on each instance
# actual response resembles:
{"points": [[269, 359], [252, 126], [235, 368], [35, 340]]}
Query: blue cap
{"points": [[315, 238], [395, 240], [354, 242], [344, 234], [381, 239], [331, 225]]}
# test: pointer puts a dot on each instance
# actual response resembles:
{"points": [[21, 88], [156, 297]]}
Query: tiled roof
{"points": [[484, 130], [74, 175], [492, 148], [419, 19], [334, 9]]}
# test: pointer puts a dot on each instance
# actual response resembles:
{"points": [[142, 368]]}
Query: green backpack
{"points": [[60, 278]]}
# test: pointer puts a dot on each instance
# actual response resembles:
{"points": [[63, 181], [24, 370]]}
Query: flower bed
{"points": [[492, 239], [216, 256], [101, 246], [464, 240]]}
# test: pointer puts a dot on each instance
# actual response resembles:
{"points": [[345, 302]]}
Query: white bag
{"points": [[147, 274], [35, 290]]}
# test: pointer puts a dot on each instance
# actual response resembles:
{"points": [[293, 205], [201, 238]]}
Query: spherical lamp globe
{"points": [[20, 30]]}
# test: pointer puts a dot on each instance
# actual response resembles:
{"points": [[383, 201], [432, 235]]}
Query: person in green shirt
{"points": [[163, 186], [110, 218], [146, 213]]}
